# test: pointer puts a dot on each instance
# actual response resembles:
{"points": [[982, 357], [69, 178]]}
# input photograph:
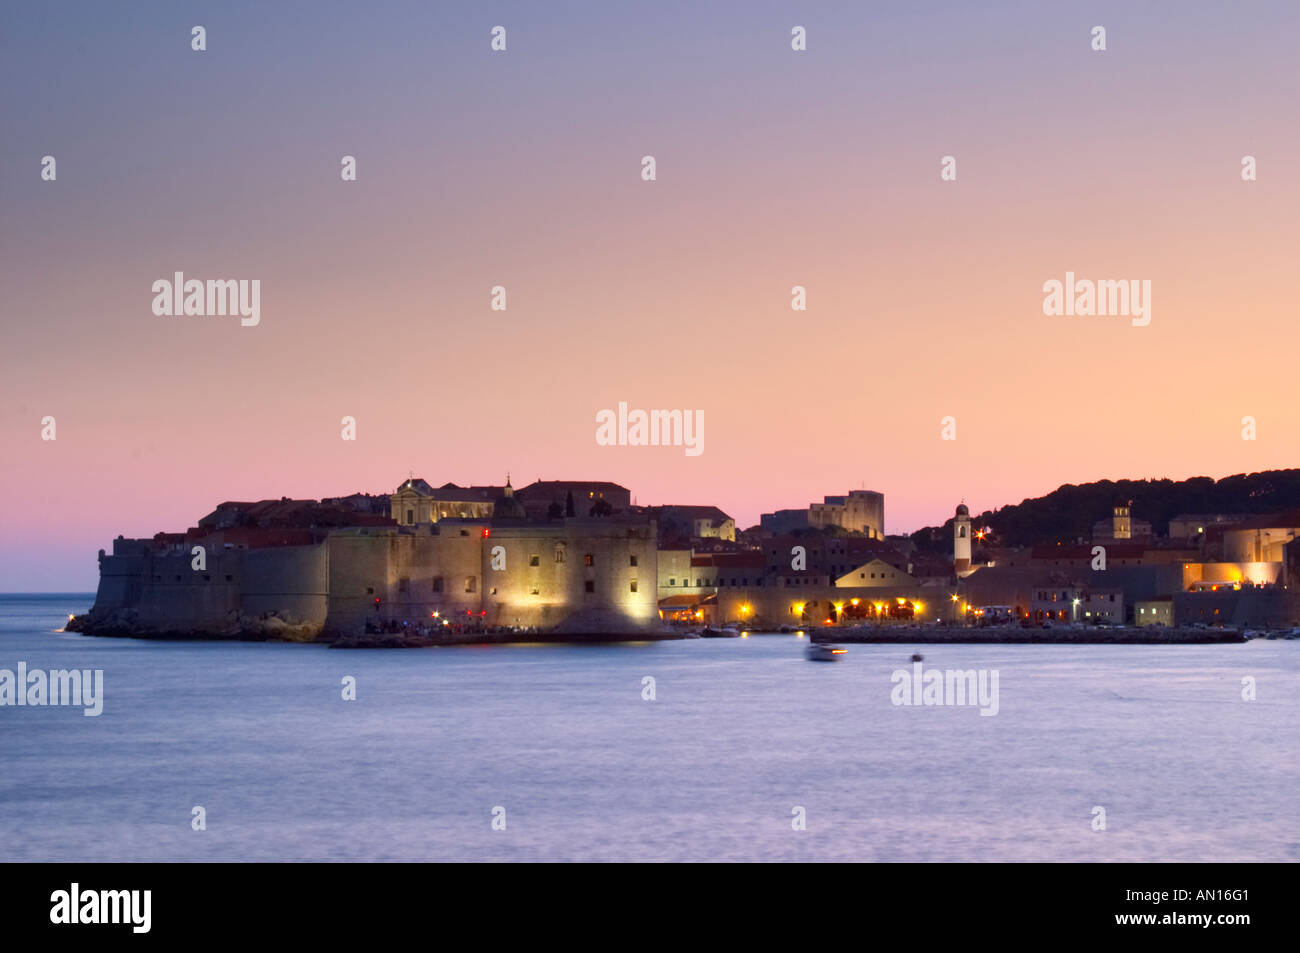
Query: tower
{"points": [[961, 540], [1121, 524]]}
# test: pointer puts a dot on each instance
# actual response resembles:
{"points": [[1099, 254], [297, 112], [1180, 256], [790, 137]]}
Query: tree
{"points": [[601, 508]]}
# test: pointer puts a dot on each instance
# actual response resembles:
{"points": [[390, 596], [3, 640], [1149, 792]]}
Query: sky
{"points": [[523, 169]]}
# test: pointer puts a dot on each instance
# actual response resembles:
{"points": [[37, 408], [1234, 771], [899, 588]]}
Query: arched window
{"points": [[559, 553], [962, 532]]}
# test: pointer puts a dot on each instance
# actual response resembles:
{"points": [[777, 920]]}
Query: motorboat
{"points": [[824, 652], [726, 632]]}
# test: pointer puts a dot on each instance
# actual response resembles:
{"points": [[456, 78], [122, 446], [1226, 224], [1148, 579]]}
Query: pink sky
{"points": [[925, 297]]}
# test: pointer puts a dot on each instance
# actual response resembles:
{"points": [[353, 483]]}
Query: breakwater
{"points": [[1010, 635]]}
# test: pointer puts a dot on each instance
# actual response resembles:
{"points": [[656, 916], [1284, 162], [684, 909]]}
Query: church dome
{"points": [[509, 506], [962, 510]]}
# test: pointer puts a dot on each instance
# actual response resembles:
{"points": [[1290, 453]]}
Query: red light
{"points": [[482, 612], [486, 532]]}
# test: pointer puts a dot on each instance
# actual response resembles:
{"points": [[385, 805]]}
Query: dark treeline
{"points": [[1068, 512]]}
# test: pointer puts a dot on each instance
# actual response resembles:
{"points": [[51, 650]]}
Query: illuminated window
{"points": [[589, 559], [470, 583]]}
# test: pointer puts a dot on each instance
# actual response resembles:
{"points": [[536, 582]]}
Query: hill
{"points": [[1068, 512]]}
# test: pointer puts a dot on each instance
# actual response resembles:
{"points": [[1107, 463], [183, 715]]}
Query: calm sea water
{"points": [[741, 732]]}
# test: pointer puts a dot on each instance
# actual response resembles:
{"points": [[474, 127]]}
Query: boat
{"points": [[824, 652], [726, 632]]}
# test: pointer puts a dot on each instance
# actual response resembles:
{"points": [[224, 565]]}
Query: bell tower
{"points": [[1121, 522], [961, 541]]}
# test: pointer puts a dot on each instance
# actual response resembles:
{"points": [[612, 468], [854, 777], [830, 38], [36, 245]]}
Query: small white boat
{"points": [[822, 652]]}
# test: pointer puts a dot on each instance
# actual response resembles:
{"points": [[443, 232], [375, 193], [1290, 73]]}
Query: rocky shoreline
{"points": [[272, 628], [127, 624], [413, 640]]}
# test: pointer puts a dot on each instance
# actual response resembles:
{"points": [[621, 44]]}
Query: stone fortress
{"points": [[450, 556]]}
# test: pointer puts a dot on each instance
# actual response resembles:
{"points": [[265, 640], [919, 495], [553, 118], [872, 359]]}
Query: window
{"points": [[410, 517], [533, 590], [470, 583], [559, 553], [534, 560], [437, 584], [591, 585], [370, 590], [631, 560], [672, 581], [494, 590], [404, 584], [633, 589], [589, 560]]}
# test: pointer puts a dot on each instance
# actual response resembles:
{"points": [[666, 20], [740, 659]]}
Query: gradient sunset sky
{"points": [[522, 169]]}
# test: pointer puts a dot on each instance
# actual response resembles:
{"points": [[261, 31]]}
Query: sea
{"points": [[698, 750]]}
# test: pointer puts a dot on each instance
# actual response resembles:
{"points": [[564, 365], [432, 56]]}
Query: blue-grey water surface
{"points": [[741, 733]]}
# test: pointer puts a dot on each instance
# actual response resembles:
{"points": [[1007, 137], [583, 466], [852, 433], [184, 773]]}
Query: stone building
{"points": [[568, 576], [416, 502]]}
